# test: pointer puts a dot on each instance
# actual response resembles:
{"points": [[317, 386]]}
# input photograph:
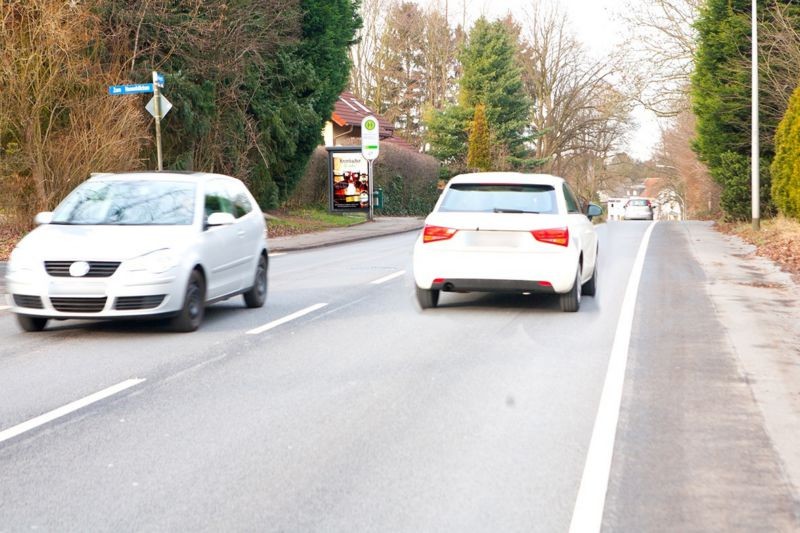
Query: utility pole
{"points": [[755, 178]]}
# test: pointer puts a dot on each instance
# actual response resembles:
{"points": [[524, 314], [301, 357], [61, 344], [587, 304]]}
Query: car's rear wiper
{"points": [[501, 210]]}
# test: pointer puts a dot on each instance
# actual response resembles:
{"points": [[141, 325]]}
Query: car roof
{"points": [[508, 177], [158, 175]]}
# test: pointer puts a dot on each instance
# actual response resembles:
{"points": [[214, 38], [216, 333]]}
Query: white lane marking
{"points": [[277, 254], [4, 307], [67, 409], [587, 515], [284, 320], [390, 277]]}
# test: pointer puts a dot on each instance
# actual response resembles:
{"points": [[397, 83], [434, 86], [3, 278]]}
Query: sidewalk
{"points": [[380, 227]]}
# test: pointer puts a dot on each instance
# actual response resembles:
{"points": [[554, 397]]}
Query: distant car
{"points": [[638, 209], [145, 244], [507, 232]]}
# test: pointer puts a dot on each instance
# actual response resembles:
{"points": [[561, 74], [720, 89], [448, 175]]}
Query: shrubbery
{"points": [[786, 165]]}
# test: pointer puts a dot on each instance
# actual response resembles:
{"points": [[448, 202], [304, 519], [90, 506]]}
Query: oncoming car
{"points": [[507, 232], [638, 209], [146, 244]]}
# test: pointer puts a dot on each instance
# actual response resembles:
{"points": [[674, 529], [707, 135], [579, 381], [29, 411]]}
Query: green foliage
{"points": [[478, 155], [733, 173], [786, 165], [491, 77], [721, 102]]}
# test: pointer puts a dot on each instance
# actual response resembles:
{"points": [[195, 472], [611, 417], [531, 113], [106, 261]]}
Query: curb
{"points": [[322, 243]]}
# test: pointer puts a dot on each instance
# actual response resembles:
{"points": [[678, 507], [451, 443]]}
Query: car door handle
{"points": [[240, 233]]}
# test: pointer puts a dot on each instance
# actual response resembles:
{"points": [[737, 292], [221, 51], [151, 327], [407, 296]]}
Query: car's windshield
{"points": [[142, 202], [500, 198]]}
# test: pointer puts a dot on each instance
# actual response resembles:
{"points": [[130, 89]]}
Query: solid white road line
{"points": [[277, 254], [284, 320], [587, 516], [390, 277], [4, 307], [67, 409]]}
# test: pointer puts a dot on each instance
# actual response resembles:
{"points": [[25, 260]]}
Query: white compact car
{"points": [[507, 232], [145, 244]]}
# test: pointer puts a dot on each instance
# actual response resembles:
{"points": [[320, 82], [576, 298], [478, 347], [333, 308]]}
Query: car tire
{"points": [[31, 323], [571, 301], [590, 287], [427, 298], [257, 294], [194, 299]]}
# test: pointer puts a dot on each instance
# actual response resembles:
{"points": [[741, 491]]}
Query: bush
{"points": [[786, 165], [733, 174], [408, 179]]}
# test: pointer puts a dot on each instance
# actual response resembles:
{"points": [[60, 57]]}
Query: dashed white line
{"points": [[587, 516], [67, 409], [277, 254], [284, 320], [4, 307], [390, 277]]}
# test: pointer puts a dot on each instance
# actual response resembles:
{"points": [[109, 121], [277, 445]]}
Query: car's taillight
{"points": [[559, 236], [437, 233]]}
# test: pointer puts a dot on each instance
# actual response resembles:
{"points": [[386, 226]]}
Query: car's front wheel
{"points": [[31, 323], [571, 301], [257, 295], [194, 299], [427, 298]]}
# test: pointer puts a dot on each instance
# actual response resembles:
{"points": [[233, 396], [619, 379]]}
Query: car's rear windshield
{"points": [[500, 198], [134, 203], [638, 202]]}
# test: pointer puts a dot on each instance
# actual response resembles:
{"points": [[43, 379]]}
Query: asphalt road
{"points": [[367, 414]]}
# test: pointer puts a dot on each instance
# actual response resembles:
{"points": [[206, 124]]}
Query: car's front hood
{"points": [[102, 243]]}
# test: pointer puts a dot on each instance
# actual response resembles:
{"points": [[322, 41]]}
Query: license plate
{"points": [[503, 239]]}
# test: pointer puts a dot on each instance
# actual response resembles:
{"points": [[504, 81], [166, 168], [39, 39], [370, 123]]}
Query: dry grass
{"points": [[778, 240]]}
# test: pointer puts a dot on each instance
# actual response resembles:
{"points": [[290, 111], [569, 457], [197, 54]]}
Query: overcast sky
{"points": [[596, 23]]}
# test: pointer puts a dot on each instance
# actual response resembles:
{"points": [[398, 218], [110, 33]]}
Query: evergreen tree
{"points": [[786, 165], [492, 77], [478, 155]]}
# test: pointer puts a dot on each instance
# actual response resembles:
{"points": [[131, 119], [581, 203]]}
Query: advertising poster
{"points": [[350, 178]]}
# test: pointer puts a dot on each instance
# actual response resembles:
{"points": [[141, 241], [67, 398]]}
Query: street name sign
{"points": [[131, 89]]}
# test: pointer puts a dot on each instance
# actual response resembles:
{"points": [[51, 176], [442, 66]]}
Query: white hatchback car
{"points": [[144, 244], [507, 232]]}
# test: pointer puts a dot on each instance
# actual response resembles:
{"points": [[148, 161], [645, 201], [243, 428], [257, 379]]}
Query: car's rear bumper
{"points": [[497, 271]]}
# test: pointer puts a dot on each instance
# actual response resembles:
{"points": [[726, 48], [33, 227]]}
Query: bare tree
{"points": [[660, 52], [364, 53], [578, 115], [57, 123]]}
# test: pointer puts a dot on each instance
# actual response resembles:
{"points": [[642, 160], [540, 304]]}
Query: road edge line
{"points": [[587, 515], [64, 410], [390, 277]]}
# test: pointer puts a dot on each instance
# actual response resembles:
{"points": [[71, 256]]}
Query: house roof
{"points": [[350, 111]]}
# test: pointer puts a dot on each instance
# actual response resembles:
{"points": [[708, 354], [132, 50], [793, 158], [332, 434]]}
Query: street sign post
{"points": [[158, 106], [370, 148]]}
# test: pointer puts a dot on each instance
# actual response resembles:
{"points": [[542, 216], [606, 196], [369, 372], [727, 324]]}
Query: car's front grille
{"points": [[97, 269], [78, 305], [31, 302], [131, 303]]}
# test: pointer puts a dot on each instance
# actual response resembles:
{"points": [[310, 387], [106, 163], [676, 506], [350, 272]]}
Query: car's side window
{"points": [[217, 199], [241, 203], [572, 203]]}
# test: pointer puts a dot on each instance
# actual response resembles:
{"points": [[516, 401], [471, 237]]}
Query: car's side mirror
{"points": [[220, 219], [45, 217], [593, 210]]}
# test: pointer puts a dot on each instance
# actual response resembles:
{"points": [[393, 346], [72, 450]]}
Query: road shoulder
{"points": [[759, 307]]}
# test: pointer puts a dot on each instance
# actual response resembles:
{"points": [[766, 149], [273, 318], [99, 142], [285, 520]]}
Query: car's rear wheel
{"points": [[31, 323], [191, 314], [571, 301], [427, 298], [257, 295], [590, 287]]}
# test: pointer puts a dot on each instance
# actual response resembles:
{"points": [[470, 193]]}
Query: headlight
{"points": [[156, 262], [20, 261]]}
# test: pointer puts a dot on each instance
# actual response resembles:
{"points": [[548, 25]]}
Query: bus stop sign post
{"points": [[370, 148]]}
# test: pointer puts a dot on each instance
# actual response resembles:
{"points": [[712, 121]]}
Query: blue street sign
{"points": [[160, 80], [131, 89]]}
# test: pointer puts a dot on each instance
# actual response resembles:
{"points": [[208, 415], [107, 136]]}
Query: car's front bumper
{"points": [[123, 295]]}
